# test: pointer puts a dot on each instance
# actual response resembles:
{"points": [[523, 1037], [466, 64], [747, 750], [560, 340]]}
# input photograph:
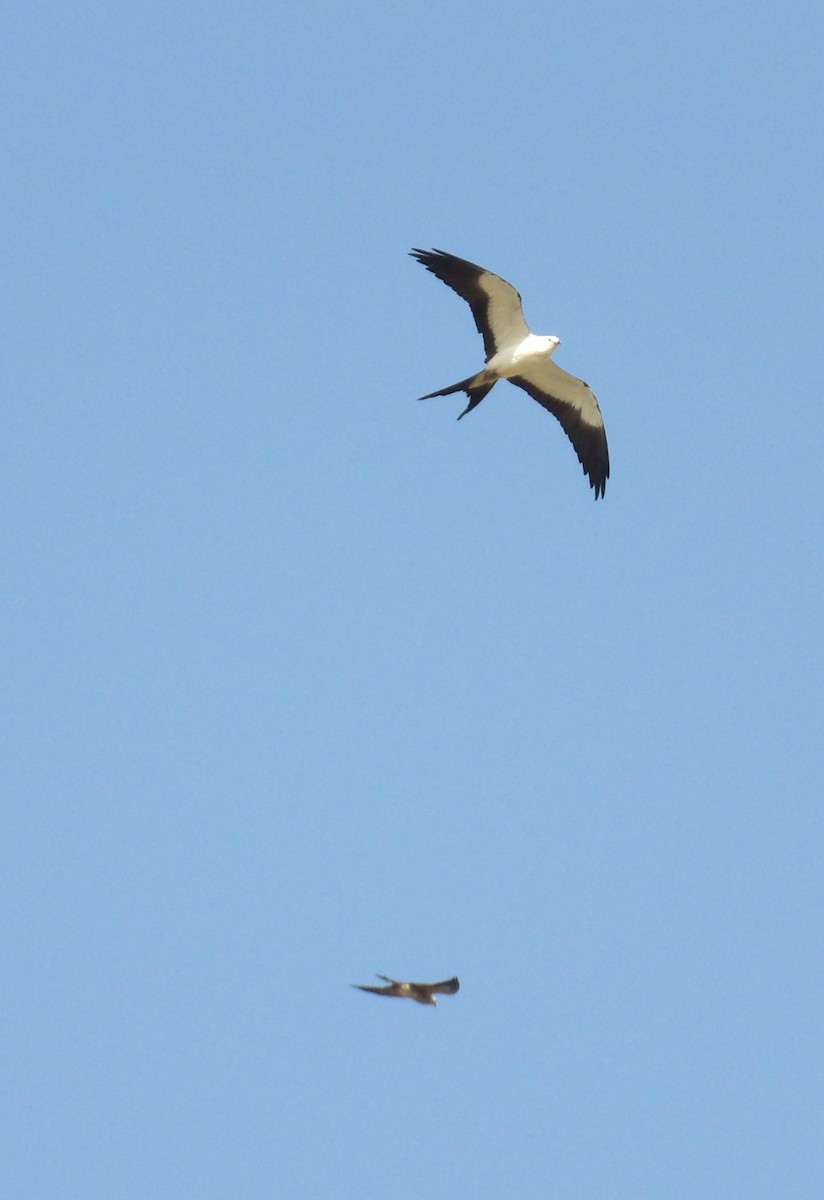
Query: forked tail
{"points": [[474, 390]]}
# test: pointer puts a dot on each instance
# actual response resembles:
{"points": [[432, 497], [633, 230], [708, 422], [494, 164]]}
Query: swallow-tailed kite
{"points": [[515, 353], [422, 992]]}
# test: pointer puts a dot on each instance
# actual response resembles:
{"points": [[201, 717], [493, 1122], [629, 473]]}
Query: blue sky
{"points": [[305, 681]]}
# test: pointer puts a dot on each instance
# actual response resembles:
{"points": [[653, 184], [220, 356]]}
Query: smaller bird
{"points": [[422, 992]]}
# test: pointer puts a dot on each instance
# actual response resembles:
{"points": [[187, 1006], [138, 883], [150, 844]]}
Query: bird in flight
{"points": [[515, 353], [422, 992]]}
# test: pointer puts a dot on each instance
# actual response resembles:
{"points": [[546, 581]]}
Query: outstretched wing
{"points": [[496, 304], [573, 402], [393, 988], [448, 986]]}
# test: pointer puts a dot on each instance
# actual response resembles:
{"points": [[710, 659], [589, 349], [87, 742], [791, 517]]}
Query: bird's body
{"points": [[514, 352], [422, 992]]}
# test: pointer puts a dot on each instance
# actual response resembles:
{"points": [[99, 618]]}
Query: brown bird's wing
{"points": [[448, 986], [424, 991], [392, 990]]}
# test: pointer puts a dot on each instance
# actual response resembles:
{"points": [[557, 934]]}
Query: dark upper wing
{"points": [[390, 990], [573, 402], [448, 986], [495, 304]]}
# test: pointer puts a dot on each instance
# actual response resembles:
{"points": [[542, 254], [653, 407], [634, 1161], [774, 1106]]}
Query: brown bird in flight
{"points": [[422, 992]]}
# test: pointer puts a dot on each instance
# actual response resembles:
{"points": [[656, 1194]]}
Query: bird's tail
{"points": [[475, 387]]}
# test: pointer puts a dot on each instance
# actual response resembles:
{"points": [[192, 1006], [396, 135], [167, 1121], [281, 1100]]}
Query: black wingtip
{"points": [[598, 482], [427, 257]]}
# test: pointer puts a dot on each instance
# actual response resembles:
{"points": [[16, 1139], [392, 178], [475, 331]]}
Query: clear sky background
{"points": [[305, 681]]}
